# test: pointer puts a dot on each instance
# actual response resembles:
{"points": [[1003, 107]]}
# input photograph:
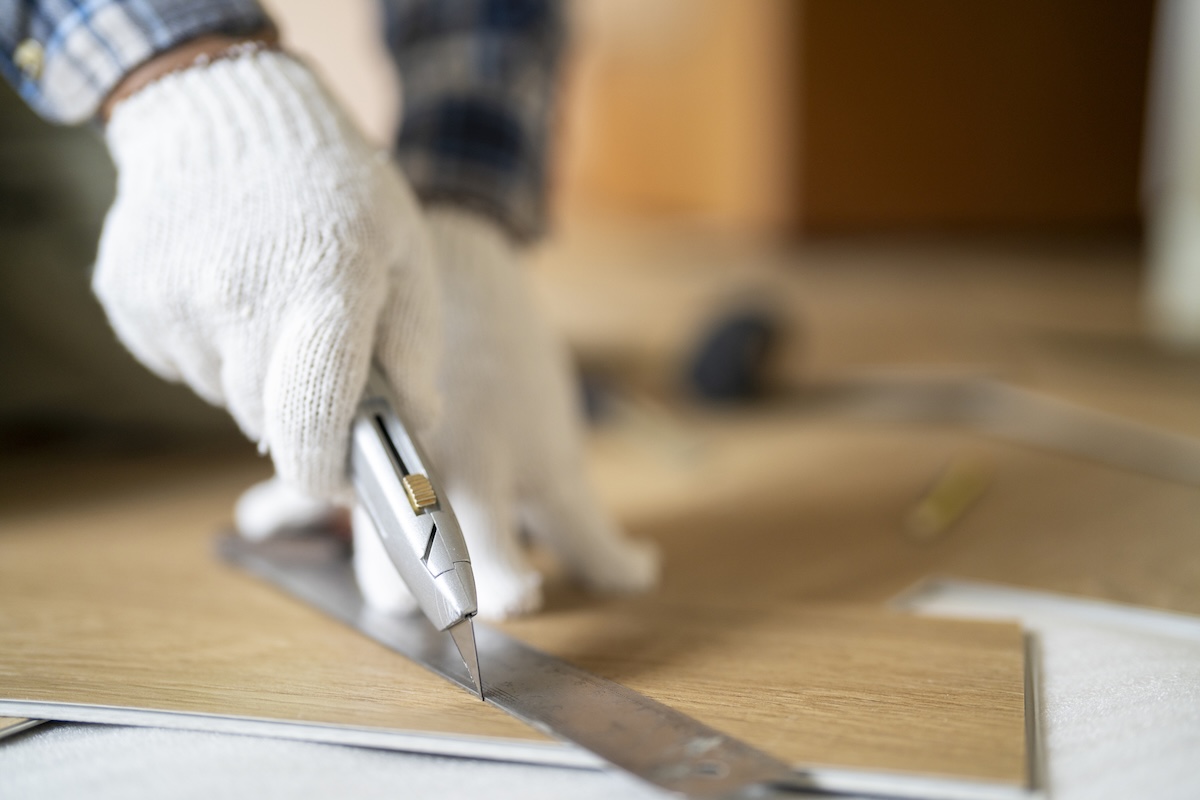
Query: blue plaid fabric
{"points": [[479, 80], [65, 56]]}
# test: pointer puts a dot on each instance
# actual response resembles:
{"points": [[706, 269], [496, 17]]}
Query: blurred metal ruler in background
{"points": [[1003, 411]]}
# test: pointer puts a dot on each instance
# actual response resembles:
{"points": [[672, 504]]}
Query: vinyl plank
{"points": [[115, 601]]}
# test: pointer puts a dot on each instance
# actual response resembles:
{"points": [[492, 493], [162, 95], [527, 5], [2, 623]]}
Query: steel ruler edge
{"points": [[566, 702], [1007, 412]]}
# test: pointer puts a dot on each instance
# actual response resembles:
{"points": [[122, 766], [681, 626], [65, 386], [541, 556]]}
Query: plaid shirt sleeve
{"points": [[65, 56], [479, 80]]}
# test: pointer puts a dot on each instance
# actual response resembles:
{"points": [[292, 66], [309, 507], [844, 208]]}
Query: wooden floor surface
{"points": [[115, 599], [828, 502], [1063, 318]]}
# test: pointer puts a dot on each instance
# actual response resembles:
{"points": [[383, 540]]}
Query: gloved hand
{"points": [[260, 251], [508, 446]]}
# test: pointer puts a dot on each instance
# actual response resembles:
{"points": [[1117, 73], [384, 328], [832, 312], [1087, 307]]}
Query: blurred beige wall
{"points": [[825, 116], [346, 46], [672, 109], [682, 109]]}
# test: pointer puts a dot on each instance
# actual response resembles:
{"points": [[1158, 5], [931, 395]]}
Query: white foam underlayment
{"points": [[1120, 712]]}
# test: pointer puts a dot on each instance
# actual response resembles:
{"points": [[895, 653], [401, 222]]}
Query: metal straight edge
{"points": [[1007, 412], [641, 736]]}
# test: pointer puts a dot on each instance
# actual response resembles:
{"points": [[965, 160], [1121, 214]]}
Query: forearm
{"points": [[480, 79], [65, 59]]}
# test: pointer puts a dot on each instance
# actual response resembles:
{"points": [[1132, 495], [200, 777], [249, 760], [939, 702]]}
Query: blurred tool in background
{"points": [[732, 357]]}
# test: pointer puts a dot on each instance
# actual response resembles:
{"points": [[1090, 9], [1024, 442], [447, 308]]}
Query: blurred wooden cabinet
{"points": [[861, 115], [984, 114]]}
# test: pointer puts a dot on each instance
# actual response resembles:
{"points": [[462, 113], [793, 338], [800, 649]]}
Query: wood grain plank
{"points": [[824, 684], [120, 602], [116, 599]]}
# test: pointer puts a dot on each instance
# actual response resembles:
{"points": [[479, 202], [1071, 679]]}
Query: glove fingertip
{"points": [[314, 381], [141, 345], [420, 406], [381, 585], [565, 517], [271, 507]]}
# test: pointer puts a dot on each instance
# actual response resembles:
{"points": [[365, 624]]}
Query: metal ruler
{"points": [[1003, 411], [647, 739]]}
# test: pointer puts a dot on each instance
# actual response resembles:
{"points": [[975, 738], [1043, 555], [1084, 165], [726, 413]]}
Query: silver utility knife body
{"points": [[400, 492]]}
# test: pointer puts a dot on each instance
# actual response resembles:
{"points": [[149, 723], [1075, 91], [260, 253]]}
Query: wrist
{"points": [[201, 50], [458, 218]]}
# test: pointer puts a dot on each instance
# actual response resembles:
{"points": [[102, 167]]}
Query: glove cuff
{"points": [[226, 108], [459, 233], [201, 50]]}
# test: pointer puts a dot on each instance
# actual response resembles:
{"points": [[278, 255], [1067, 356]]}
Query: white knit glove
{"points": [[260, 251], [508, 446]]}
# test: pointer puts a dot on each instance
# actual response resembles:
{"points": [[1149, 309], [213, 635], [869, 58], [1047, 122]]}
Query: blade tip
{"points": [[465, 644]]}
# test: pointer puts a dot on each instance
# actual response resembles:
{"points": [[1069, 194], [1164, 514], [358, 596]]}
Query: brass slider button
{"points": [[28, 57], [420, 492]]}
